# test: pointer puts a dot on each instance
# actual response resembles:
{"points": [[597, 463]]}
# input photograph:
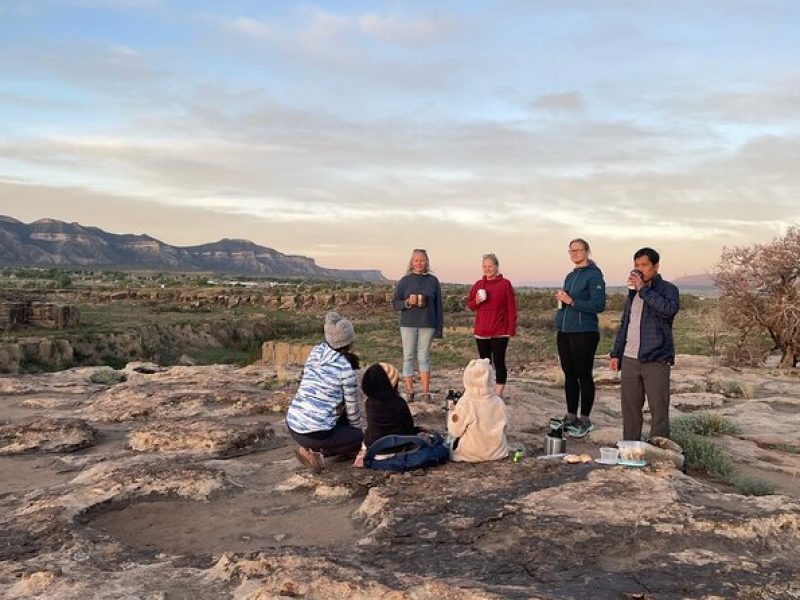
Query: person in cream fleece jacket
{"points": [[479, 420]]}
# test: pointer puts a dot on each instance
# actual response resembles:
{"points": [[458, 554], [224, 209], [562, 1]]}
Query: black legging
{"points": [[495, 350], [342, 439], [576, 353]]}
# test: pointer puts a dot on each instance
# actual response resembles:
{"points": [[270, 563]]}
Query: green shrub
{"points": [[750, 486], [107, 376], [703, 423], [114, 362], [702, 454]]}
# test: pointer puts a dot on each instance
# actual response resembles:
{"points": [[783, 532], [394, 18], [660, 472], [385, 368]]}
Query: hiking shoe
{"points": [[407, 396], [425, 397], [569, 421], [313, 460], [580, 429]]}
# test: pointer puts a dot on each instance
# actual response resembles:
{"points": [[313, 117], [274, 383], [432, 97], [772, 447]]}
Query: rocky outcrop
{"points": [[38, 314], [163, 343], [201, 436], [284, 353], [278, 297], [12, 314], [152, 511], [47, 352], [43, 434], [49, 242]]}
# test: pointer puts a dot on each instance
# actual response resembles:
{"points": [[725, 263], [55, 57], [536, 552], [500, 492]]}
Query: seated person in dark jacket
{"points": [[387, 412]]}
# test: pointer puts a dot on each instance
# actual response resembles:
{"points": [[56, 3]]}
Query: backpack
{"points": [[411, 452]]}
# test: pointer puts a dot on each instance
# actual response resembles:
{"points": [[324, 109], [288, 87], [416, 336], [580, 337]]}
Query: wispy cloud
{"points": [[331, 127], [413, 32], [253, 27], [560, 101]]}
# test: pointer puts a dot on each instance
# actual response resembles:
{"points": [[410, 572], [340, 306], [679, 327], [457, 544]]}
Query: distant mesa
{"points": [[52, 243], [701, 280]]}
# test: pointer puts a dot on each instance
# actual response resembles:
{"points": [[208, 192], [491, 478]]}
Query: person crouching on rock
{"points": [[479, 420], [324, 417]]}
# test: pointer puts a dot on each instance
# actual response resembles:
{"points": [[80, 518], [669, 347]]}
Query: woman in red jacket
{"points": [[495, 305]]}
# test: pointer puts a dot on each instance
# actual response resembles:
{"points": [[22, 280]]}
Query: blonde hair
{"points": [[492, 257], [411, 260]]}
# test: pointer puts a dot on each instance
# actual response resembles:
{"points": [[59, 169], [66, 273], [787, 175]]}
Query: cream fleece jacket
{"points": [[479, 419]]}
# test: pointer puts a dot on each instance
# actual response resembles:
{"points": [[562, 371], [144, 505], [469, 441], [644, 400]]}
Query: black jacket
{"points": [[387, 412]]}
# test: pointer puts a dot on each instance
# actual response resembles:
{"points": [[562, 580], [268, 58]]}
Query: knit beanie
{"points": [[391, 373], [339, 332]]}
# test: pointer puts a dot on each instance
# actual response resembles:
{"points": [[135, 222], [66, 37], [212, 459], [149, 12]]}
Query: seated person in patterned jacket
{"points": [[324, 417]]}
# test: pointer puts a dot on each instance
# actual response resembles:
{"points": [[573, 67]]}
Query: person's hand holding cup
{"points": [[481, 295], [411, 300], [635, 281], [563, 298]]}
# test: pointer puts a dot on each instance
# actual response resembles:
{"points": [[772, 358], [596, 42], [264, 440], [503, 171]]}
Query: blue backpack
{"points": [[410, 452]]}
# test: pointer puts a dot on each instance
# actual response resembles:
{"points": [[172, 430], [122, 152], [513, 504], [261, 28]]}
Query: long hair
{"points": [[352, 357]]}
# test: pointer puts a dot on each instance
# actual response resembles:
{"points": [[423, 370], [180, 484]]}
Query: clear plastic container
{"points": [[632, 451], [609, 455]]}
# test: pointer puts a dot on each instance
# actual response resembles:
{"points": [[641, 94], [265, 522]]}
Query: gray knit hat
{"points": [[339, 332]]}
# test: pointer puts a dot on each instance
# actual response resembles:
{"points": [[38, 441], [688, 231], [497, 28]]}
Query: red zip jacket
{"points": [[497, 315]]}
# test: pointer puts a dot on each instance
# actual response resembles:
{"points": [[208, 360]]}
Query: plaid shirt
{"points": [[661, 304]]}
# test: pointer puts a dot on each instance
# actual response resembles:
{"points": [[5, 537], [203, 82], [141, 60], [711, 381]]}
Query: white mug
{"points": [[481, 294]]}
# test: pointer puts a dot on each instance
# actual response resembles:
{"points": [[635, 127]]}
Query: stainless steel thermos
{"points": [[554, 442]]}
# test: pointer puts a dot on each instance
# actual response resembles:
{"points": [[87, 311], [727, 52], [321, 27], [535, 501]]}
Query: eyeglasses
{"points": [[419, 251], [576, 250], [492, 256]]}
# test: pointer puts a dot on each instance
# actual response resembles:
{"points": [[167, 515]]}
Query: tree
{"points": [[63, 280], [760, 287]]}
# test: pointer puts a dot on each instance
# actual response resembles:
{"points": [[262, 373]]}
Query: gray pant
{"points": [[638, 380]]}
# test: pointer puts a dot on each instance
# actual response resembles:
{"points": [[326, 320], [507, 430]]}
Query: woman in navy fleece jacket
{"points": [[581, 299]]}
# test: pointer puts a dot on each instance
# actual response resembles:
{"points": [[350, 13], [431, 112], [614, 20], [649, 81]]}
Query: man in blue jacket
{"points": [[644, 349]]}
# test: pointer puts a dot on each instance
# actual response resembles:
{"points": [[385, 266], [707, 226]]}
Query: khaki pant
{"points": [[640, 380]]}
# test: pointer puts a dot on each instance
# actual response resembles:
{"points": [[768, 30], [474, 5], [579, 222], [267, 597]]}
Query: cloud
{"points": [[560, 101], [324, 30], [86, 67], [339, 127], [253, 27], [413, 32], [122, 4]]}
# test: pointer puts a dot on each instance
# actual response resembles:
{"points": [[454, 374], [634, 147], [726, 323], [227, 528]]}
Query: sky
{"points": [[353, 132]]}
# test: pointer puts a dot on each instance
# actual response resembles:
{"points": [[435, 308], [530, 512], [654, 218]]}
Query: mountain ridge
{"points": [[53, 243]]}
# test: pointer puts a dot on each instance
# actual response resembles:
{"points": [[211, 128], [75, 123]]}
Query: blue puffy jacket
{"points": [[661, 304], [586, 287]]}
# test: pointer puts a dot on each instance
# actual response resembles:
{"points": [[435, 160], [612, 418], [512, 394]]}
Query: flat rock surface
{"points": [[189, 488], [43, 434]]}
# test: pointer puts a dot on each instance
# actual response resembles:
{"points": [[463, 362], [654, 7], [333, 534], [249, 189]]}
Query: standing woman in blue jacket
{"points": [[418, 297], [580, 301]]}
